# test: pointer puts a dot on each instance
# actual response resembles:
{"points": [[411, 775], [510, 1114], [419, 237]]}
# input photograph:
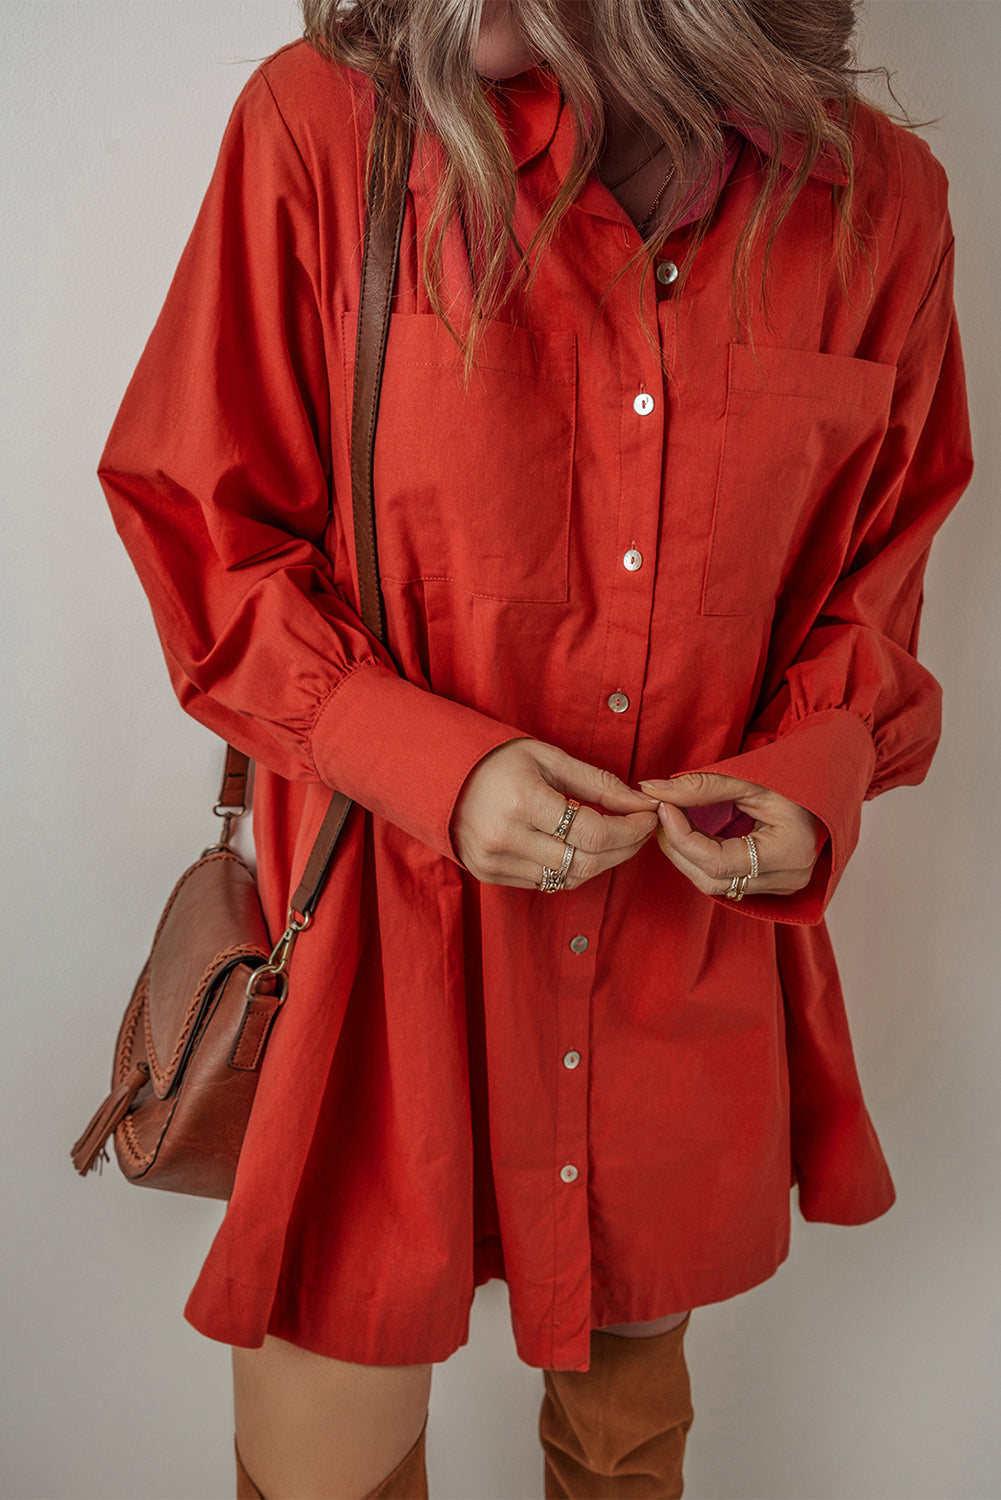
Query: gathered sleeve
{"points": [[854, 712], [217, 471]]}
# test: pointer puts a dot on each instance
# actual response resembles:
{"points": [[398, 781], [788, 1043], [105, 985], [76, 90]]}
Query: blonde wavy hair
{"points": [[785, 65]]}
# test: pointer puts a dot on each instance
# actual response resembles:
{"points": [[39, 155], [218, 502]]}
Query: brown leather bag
{"points": [[188, 1053]]}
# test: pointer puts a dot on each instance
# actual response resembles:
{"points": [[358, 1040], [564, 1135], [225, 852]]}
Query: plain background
{"points": [[869, 1366]]}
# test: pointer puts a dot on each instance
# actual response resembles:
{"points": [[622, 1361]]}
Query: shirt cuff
{"points": [[401, 751], [825, 763]]}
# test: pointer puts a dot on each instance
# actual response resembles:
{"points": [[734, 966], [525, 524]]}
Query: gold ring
{"points": [[737, 887], [752, 850], [563, 826], [554, 880]]}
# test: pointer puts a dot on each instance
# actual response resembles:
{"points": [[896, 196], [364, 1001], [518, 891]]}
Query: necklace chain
{"points": [[638, 167], [646, 220]]}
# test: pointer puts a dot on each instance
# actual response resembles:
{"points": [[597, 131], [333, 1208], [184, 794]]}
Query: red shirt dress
{"points": [[603, 1096]]}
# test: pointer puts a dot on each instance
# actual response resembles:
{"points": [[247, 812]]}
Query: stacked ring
{"points": [[738, 885], [563, 826], [554, 880]]}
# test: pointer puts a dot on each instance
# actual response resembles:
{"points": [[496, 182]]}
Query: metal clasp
{"points": [[276, 967], [229, 814]]}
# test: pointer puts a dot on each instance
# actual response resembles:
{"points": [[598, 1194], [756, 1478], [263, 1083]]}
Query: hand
{"points": [[509, 804], [788, 838]]}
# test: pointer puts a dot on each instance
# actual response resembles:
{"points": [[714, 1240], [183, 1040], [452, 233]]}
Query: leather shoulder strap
{"points": [[380, 259], [378, 274]]}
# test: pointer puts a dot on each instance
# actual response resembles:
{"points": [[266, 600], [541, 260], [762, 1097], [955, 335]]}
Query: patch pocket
{"points": [[473, 486], [800, 438]]}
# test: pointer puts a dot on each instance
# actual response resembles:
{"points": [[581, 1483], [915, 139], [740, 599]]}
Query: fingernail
{"points": [[653, 783]]}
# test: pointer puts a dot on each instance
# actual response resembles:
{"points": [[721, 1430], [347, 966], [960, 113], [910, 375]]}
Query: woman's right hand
{"points": [[513, 799]]}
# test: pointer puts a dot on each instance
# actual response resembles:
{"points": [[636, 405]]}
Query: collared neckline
{"points": [[528, 108], [827, 164]]}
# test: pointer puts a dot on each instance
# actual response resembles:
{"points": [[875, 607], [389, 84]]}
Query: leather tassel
{"points": [[91, 1145]]}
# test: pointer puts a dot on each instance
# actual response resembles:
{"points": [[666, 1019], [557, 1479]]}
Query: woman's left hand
{"points": [[787, 837]]}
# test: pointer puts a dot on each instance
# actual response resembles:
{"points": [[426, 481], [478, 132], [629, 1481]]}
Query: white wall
{"points": [[869, 1366]]}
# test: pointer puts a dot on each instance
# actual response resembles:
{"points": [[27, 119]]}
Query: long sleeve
{"points": [[217, 471], [852, 712]]}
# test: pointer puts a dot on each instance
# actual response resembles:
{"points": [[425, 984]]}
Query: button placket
{"points": [[569, 1038], [644, 403], [636, 413], [578, 944]]}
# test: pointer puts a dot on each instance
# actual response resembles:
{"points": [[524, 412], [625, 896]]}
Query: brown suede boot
{"points": [[408, 1481], [617, 1431]]}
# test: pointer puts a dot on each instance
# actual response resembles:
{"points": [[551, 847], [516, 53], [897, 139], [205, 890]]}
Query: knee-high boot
{"points": [[408, 1481], [617, 1431]]}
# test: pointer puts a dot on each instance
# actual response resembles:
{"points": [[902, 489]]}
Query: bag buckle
{"points": [[277, 964], [229, 812]]}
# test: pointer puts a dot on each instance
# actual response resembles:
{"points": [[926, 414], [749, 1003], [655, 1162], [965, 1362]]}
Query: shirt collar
{"points": [[827, 164], [528, 109]]}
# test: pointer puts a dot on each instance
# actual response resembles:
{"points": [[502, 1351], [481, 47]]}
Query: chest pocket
{"points": [[801, 435], [473, 485]]}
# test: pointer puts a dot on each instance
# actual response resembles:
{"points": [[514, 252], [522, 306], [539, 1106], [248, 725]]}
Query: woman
{"points": [[673, 405]]}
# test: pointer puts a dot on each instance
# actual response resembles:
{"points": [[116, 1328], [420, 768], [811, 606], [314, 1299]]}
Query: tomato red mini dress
{"points": [[691, 555]]}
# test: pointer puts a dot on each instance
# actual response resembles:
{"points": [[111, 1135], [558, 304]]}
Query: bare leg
{"points": [[646, 1330], [308, 1427]]}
